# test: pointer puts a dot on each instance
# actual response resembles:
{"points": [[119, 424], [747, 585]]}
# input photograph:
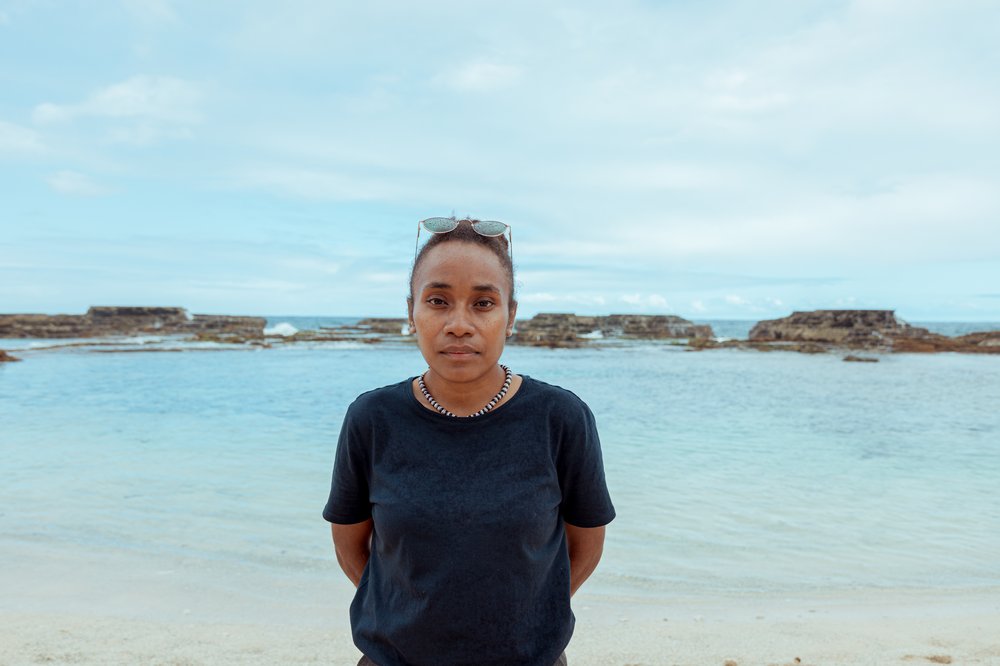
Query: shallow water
{"points": [[732, 471]]}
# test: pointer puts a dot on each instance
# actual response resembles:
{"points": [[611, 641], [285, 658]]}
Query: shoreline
{"points": [[134, 328], [860, 627], [105, 606]]}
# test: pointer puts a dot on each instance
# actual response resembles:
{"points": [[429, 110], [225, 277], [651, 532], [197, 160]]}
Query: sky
{"points": [[713, 160]]}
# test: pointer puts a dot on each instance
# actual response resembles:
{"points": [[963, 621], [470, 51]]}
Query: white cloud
{"points": [[537, 297], [396, 278], [698, 306], [17, 141], [733, 299], [737, 91], [480, 77], [349, 182], [75, 184], [156, 99], [317, 184], [589, 300], [657, 301], [144, 134], [645, 302], [262, 285]]}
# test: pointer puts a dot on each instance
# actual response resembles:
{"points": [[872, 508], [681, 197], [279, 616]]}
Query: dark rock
{"points": [[851, 358], [7, 358], [986, 342], [570, 330], [383, 325], [652, 327], [921, 345], [698, 344], [103, 321], [846, 328], [866, 329], [367, 331], [245, 327], [807, 348], [229, 339]]}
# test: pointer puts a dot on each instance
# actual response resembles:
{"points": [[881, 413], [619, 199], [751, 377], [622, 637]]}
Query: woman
{"points": [[468, 504]]}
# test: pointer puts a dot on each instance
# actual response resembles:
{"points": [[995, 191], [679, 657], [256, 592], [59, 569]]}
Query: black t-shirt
{"points": [[469, 562]]}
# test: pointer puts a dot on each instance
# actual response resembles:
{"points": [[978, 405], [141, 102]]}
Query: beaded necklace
{"points": [[490, 405]]}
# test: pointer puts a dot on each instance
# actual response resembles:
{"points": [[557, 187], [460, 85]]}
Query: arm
{"points": [[585, 547], [352, 543]]}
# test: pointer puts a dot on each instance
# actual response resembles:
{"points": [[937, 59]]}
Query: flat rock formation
{"points": [[878, 330], [848, 328], [105, 321], [851, 358], [383, 325], [983, 342], [570, 330], [371, 330]]}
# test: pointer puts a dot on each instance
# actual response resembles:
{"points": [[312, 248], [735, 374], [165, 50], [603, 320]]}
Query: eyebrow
{"points": [[478, 287]]}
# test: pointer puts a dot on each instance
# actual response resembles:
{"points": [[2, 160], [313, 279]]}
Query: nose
{"points": [[459, 323]]}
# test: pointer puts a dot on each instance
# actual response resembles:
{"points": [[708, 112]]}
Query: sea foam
{"points": [[283, 329]]}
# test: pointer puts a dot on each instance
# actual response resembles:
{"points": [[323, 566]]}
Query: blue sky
{"points": [[713, 160]]}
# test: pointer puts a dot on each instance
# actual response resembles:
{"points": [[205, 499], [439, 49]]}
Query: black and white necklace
{"points": [[508, 375]]}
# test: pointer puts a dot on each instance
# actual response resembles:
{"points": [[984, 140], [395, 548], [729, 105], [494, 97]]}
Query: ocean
{"points": [[152, 484]]}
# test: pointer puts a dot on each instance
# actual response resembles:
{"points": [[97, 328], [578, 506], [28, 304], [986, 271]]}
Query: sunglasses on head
{"points": [[443, 225]]}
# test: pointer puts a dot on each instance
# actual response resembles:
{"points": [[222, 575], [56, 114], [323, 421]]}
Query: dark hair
{"points": [[466, 234]]}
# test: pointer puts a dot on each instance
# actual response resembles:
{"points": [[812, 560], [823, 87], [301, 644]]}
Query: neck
{"points": [[464, 398]]}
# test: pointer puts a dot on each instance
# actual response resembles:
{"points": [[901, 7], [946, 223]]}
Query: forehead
{"points": [[460, 264]]}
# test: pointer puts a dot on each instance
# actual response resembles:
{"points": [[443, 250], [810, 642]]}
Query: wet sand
{"points": [[865, 627]]}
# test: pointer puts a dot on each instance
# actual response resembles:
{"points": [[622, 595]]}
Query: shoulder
{"points": [[557, 399], [374, 401]]}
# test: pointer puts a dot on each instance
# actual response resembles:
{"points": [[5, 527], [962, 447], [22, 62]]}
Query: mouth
{"points": [[459, 352]]}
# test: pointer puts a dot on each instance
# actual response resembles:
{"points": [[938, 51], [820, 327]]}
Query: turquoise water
{"points": [[732, 471]]}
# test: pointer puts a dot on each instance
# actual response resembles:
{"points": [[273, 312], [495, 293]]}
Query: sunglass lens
{"points": [[439, 225], [490, 228]]}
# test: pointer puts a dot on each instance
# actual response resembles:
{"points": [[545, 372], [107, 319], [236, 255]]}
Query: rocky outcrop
{"points": [[652, 327], [547, 329], [985, 342], [570, 330], [104, 321], [383, 325], [878, 330], [555, 330], [846, 328], [7, 358]]}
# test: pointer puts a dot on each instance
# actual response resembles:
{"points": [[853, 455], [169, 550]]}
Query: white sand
{"points": [[868, 627]]}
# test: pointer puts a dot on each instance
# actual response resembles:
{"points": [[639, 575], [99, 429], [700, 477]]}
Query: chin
{"points": [[463, 371]]}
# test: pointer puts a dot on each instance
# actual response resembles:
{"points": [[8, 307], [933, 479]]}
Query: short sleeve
{"points": [[586, 501], [349, 501]]}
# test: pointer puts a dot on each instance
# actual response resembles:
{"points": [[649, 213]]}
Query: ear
{"points": [[409, 315], [510, 318]]}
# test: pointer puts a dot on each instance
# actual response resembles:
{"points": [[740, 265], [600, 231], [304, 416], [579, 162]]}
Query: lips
{"points": [[459, 350]]}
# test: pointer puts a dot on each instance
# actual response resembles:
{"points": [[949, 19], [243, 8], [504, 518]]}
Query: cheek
{"points": [[499, 329]]}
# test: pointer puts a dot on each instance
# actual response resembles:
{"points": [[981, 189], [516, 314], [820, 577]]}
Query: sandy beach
{"points": [[867, 627]]}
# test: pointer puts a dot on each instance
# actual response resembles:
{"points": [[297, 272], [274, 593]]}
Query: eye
{"points": [[436, 301], [484, 303]]}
